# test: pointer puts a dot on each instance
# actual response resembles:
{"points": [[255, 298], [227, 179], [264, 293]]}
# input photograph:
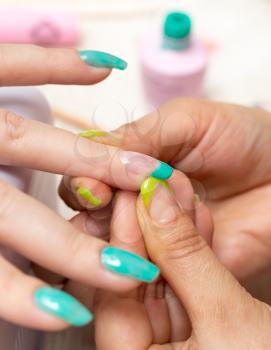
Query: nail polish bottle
{"points": [[47, 28], [173, 62]]}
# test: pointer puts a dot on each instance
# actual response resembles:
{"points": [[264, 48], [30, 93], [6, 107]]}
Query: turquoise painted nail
{"points": [[129, 264], [163, 171], [102, 59], [139, 163], [62, 305]]}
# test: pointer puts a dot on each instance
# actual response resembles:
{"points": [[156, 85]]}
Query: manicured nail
{"points": [[141, 164], [147, 188], [89, 197], [197, 198], [158, 198], [129, 264], [62, 305], [102, 137], [92, 133], [102, 59]]}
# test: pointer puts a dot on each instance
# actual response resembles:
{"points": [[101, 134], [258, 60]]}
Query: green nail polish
{"points": [[92, 133], [197, 198], [89, 197], [129, 264], [102, 59], [62, 305], [163, 171], [147, 188]]}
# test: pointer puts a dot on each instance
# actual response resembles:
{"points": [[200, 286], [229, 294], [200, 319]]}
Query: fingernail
{"points": [[102, 137], [141, 164], [62, 305], [197, 198], [92, 133], [102, 59], [158, 198], [129, 264], [89, 197]]}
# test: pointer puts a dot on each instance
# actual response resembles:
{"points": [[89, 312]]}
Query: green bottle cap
{"points": [[177, 25]]}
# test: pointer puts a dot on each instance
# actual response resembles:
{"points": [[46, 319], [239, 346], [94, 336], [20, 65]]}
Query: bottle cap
{"points": [[177, 25]]}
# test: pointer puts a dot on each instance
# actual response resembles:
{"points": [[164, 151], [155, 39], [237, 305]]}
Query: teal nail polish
{"points": [[163, 171], [129, 264], [102, 59], [62, 305]]}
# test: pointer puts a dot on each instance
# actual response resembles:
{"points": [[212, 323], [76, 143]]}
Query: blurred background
{"points": [[236, 34]]}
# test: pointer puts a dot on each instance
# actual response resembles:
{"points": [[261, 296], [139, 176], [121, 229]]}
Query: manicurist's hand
{"points": [[34, 231], [225, 151], [222, 314]]}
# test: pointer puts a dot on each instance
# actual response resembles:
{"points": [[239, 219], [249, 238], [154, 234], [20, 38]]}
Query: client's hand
{"points": [[33, 230]]}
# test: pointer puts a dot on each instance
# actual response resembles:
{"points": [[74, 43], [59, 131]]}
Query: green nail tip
{"points": [[163, 171], [147, 188], [101, 59], [129, 264], [92, 133], [62, 305], [89, 197], [197, 198]]}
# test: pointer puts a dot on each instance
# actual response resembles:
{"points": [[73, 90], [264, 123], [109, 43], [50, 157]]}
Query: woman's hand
{"points": [[222, 314], [39, 234], [225, 151]]}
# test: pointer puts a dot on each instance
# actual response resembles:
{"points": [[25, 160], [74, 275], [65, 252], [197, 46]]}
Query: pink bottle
{"points": [[47, 28], [173, 62]]}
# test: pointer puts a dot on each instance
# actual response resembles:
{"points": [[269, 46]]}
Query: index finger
{"points": [[32, 144], [35, 65]]}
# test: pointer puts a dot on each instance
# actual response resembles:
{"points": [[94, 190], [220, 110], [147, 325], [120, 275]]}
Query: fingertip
{"points": [[90, 193], [99, 74]]}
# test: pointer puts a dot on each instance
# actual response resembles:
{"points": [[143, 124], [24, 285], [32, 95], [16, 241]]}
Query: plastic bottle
{"points": [[173, 62], [47, 28]]}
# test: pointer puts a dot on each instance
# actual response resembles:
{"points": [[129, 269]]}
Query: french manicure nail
{"points": [[102, 137], [92, 133], [62, 305], [129, 264], [101, 59], [144, 165], [147, 188], [89, 197], [158, 198], [197, 198]]}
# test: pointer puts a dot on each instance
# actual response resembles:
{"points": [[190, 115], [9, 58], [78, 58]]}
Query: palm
{"points": [[242, 237]]}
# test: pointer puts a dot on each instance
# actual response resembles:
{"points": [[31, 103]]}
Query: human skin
{"points": [[224, 149], [222, 313], [32, 229]]}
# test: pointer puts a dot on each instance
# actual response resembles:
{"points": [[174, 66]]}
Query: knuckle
{"points": [[9, 281], [182, 241], [6, 200], [11, 278], [76, 244], [12, 126]]}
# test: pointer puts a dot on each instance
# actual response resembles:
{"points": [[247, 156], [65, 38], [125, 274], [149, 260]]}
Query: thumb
{"points": [[204, 286]]}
